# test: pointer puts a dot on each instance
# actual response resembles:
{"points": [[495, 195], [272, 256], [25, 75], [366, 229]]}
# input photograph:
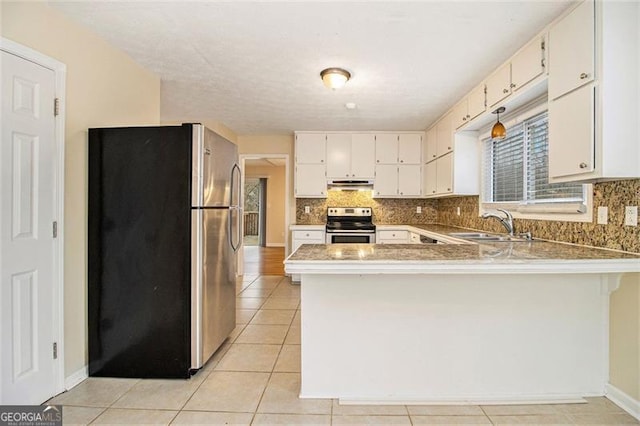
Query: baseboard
{"points": [[622, 400], [275, 244], [76, 378]]}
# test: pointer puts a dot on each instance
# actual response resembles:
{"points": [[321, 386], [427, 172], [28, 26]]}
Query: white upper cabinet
{"points": [[363, 156], [499, 85], [444, 174], [455, 173], [386, 148], [430, 145], [409, 180], [459, 113], [386, 182], [310, 181], [429, 187], [476, 102], [409, 148], [444, 135], [527, 64], [311, 148], [572, 50], [338, 155]]}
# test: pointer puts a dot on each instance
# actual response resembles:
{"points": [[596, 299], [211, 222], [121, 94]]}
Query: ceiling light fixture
{"points": [[498, 131], [335, 78]]}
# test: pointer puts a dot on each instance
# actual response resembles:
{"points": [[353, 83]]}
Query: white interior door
{"points": [[27, 179]]}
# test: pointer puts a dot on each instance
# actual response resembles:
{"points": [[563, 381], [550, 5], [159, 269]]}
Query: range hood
{"points": [[350, 185]]}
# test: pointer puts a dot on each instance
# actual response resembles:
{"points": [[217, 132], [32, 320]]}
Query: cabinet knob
{"points": [[347, 175], [307, 235], [402, 193], [434, 156], [512, 85], [448, 189], [377, 161], [584, 75], [505, 90], [448, 147], [583, 165], [468, 116], [433, 192], [322, 161], [402, 161], [464, 118], [353, 175]]}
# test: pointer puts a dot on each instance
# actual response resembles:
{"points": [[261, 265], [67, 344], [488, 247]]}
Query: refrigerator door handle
{"points": [[234, 184]]}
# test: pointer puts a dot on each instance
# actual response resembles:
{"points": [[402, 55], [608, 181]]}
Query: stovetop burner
{"points": [[349, 219]]}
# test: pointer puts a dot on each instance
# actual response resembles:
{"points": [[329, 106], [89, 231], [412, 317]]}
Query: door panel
{"points": [[27, 369]]}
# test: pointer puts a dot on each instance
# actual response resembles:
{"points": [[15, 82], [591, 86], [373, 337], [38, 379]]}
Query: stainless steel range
{"points": [[350, 225]]}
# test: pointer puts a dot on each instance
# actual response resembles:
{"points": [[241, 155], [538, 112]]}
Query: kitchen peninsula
{"points": [[465, 323]]}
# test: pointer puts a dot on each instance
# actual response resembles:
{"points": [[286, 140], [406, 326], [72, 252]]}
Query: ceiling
{"points": [[254, 66]]}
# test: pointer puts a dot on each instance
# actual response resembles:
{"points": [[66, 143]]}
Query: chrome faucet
{"points": [[506, 221]]}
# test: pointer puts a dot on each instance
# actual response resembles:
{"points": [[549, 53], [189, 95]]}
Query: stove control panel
{"points": [[349, 211]]}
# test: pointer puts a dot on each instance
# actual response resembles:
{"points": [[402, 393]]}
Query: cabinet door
{"points": [[310, 148], [527, 64], [430, 145], [571, 50], [571, 133], [386, 183], [409, 148], [363, 156], [444, 135], [459, 114], [430, 178], [311, 180], [444, 174], [338, 155], [386, 148], [499, 85], [409, 180], [476, 102]]}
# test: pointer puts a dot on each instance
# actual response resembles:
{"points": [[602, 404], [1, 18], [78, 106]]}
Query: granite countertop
{"points": [[486, 257]]}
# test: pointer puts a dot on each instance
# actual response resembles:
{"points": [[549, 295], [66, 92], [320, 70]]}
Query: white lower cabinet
{"points": [[305, 234], [392, 236]]}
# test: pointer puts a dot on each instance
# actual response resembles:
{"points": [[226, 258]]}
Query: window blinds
{"points": [[516, 168]]}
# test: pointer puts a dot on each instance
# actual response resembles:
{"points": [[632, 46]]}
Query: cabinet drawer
{"points": [[393, 235], [309, 235]]}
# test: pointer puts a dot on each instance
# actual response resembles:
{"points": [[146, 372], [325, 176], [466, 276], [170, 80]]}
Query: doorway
{"points": [[255, 214], [31, 243]]}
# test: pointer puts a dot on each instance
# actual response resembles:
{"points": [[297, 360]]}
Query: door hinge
{"points": [[542, 45], [55, 350], [56, 107], [55, 229], [542, 63]]}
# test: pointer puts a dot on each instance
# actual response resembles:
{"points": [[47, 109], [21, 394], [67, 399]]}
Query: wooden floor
{"points": [[263, 260]]}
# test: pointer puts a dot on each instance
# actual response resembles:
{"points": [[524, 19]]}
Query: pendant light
{"points": [[498, 131], [335, 78]]}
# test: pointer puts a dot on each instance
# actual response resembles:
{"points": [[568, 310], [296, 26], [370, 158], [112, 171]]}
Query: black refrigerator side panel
{"points": [[139, 249]]}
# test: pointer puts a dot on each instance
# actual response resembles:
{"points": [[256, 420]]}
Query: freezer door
{"points": [[214, 158], [213, 286]]}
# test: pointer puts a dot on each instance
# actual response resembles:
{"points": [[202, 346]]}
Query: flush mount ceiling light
{"points": [[498, 131], [334, 78]]}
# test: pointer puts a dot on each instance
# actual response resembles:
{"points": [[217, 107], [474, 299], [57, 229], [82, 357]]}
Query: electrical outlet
{"points": [[307, 209], [631, 215], [418, 209], [603, 215], [458, 211]]}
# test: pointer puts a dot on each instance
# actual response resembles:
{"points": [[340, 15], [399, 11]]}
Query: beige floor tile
{"points": [[297, 318], [445, 410], [249, 302], [292, 419], [236, 332], [159, 394], [213, 361], [281, 396], [293, 336], [544, 419], [268, 334], [95, 392], [249, 278], [256, 292], [450, 420], [289, 359], [273, 317], [118, 416], [603, 419], [260, 283], [593, 405], [244, 316], [249, 357], [370, 420], [80, 415], [517, 410], [229, 391], [286, 290], [365, 410], [273, 279], [281, 303], [211, 418]]}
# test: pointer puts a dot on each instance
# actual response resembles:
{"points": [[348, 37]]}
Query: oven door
{"points": [[351, 238]]}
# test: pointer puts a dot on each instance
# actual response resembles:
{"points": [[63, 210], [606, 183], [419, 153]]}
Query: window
{"points": [[516, 172]]}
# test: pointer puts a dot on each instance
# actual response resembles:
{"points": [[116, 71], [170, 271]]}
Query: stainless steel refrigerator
{"points": [[163, 232]]}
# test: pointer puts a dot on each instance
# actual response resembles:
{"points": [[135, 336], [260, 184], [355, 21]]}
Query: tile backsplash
{"points": [[615, 195]]}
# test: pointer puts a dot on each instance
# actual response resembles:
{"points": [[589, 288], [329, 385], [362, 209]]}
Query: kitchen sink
{"points": [[479, 236]]}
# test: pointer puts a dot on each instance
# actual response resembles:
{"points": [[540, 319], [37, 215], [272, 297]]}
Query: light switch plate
{"points": [[458, 211], [307, 209], [418, 209], [603, 215], [631, 215]]}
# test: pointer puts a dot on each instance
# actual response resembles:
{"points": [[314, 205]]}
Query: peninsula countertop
{"points": [[535, 256]]}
